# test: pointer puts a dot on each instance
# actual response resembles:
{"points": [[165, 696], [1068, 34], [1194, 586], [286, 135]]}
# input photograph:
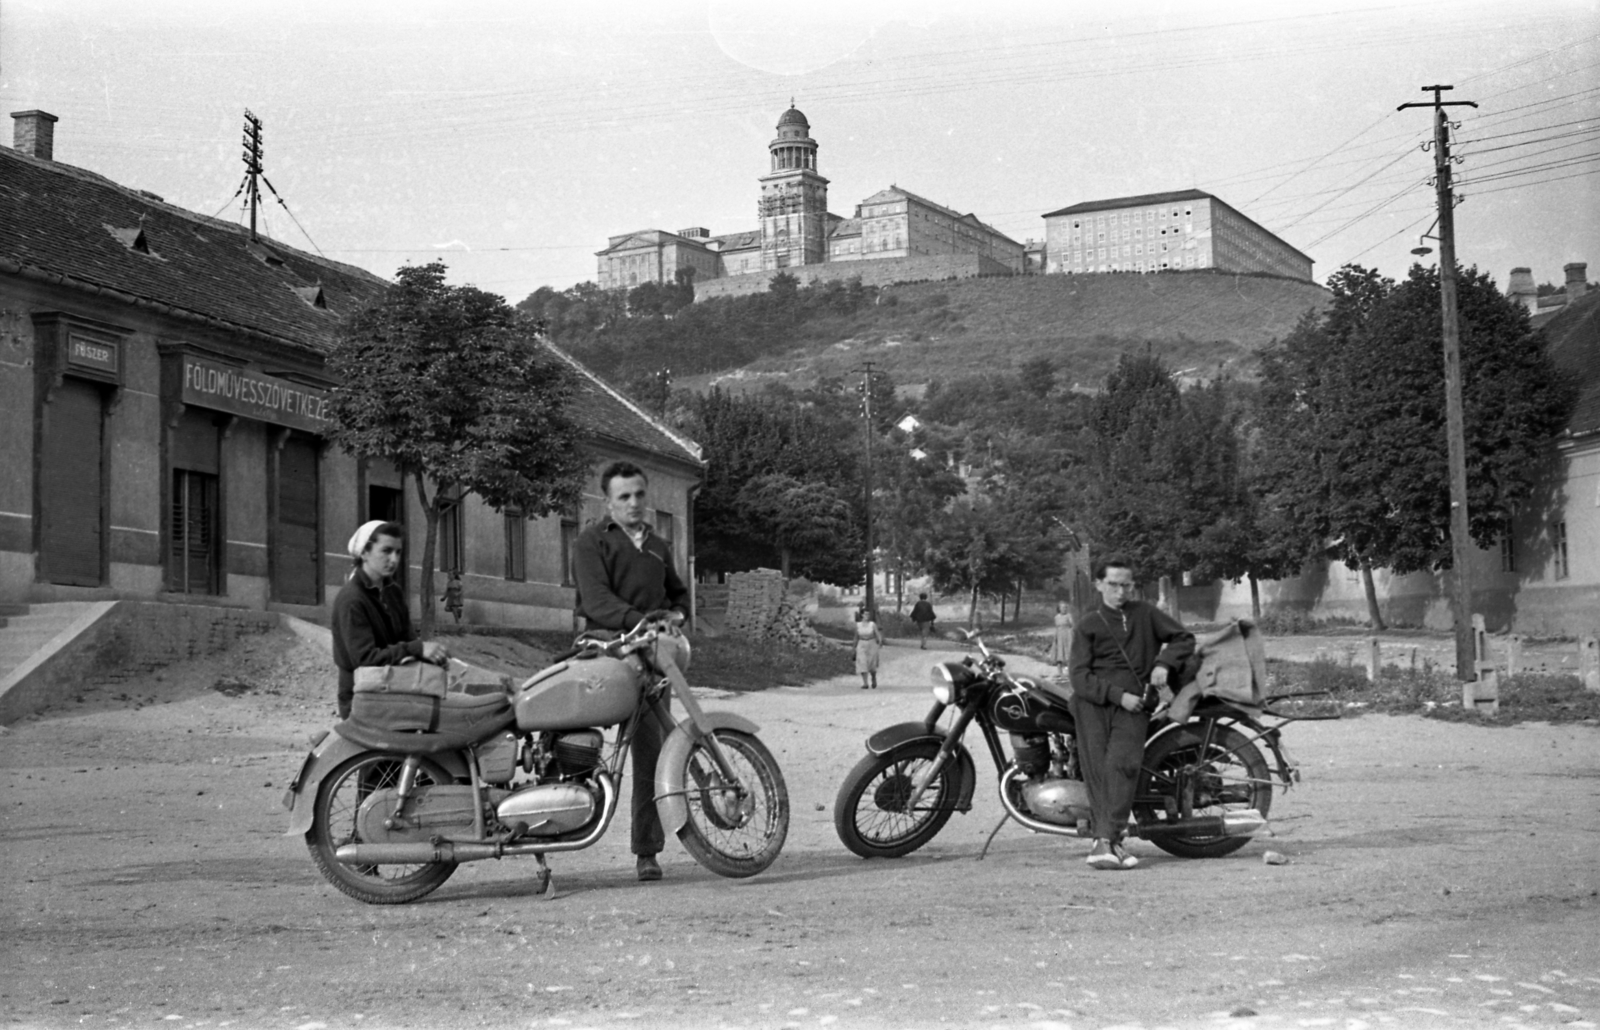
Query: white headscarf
{"points": [[363, 536]]}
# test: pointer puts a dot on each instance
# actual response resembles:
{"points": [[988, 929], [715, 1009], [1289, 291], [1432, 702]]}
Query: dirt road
{"points": [[1440, 875]]}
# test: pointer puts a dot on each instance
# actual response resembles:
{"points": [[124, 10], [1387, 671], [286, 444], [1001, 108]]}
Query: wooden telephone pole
{"points": [[1455, 428], [252, 166], [867, 372]]}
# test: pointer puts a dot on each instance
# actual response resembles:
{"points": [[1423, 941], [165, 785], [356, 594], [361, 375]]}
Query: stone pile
{"points": [[760, 608]]}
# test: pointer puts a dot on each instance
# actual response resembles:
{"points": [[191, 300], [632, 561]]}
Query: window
{"points": [[1508, 553], [569, 551], [452, 551], [516, 546], [664, 526], [1558, 545]]}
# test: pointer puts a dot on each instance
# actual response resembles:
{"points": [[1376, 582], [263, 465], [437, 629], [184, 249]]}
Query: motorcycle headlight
{"points": [[947, 680]]}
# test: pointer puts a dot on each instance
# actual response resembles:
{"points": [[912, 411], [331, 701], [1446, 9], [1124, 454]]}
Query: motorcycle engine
{"points": [[1063, 802], [548, 809], [575, 754]]}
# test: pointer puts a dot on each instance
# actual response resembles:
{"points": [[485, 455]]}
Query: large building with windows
{"points": [[163, 401], [1158, 232], [797, 230]]}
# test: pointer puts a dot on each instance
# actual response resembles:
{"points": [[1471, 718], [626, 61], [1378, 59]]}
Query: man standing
{"points": [[922, 615], [1114, 654], [624, 572]]}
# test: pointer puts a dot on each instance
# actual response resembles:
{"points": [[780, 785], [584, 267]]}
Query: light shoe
{"points": [[1101, 856], [1128, 861]]}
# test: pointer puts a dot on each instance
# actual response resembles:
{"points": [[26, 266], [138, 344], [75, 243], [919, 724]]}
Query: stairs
{"points": [[26, 629]]}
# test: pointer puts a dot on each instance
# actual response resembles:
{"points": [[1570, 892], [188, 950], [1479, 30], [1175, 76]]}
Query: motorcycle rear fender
{"points": [[1286, 769], [899, 735], [326, 755], [672, 804]]}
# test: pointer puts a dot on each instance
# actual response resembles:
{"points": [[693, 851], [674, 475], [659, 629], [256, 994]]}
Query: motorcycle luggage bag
{"points": [[409, 677], [409, 713]]}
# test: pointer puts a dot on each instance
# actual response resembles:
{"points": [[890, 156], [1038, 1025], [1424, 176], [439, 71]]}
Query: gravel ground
{"points": [[1438, 875]]}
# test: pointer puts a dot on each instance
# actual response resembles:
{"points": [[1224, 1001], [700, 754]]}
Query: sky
{"points": [[510, 139]]}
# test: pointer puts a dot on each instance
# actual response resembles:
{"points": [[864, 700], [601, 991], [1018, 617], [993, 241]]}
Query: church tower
{"points": [[794, 199]]}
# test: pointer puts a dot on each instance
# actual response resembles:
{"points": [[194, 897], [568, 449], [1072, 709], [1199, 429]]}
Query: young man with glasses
{"points": [[1116, 650]]}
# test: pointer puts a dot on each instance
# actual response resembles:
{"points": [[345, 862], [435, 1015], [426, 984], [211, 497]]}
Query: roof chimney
{"points": [[1523, 291], [1577, 279], [34, 134]]}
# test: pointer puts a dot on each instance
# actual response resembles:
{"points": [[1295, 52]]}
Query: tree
{"points": [[971, 553], [454, 387], [811, 523], [1353, 419]]}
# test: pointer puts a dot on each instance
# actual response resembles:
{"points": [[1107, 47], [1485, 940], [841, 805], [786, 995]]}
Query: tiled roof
{"points": [[739, 240], [846, 227], [1142, 200], [608, 413], [1574, 337], [59, 222]]}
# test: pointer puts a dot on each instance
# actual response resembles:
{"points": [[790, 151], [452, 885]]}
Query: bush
{"points": [[1428, 691], [1283, 622]]}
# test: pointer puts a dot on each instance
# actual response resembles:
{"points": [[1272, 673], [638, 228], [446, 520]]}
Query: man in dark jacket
{"points": [[1114, 655], [625, 571], [371, 623], [922, 615]]}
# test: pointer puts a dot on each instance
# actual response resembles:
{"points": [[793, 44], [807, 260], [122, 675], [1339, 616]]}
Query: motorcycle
{"points": [[388, 814], [1203, 791]]}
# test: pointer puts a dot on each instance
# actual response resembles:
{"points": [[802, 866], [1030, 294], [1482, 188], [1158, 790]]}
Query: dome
{"points": [[793, 117]]}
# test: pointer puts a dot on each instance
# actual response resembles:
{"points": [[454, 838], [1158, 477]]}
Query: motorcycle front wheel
{"points": [[735, 829], [334, 823], [871, 814], [1220, 768]]}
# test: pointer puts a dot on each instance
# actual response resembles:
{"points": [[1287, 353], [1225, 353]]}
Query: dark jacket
{"points": [[619, 583], [922, 611], [371, 626], [1100, 672]]}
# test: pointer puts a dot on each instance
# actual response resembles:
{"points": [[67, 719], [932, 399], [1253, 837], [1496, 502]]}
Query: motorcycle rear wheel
{"points": [[334, 824], [735, 831], [1227, 773], [870, 813]]}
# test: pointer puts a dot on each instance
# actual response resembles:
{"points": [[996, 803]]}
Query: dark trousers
{"points": [[648, 838], [1110, 752]]}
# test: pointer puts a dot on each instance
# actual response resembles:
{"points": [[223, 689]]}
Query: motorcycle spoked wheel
{"points": [[735, 831], [334, 824], [870, 812], [1227, 773]]}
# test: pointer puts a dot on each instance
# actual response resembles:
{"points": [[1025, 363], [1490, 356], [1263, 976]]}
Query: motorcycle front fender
{"points": [[672, 804], [899, 735], [327, 753]]}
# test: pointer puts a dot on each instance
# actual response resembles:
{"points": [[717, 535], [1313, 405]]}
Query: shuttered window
{"points": [[516, 546], [194, 568], [296, 563], [72, 527]]}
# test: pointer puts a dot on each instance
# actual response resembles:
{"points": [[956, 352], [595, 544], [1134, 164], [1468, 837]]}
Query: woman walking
{"points": [[868, 641], [1061, 645]]}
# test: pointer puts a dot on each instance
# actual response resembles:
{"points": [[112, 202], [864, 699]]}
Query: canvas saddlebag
{"points": [[422, 697]]}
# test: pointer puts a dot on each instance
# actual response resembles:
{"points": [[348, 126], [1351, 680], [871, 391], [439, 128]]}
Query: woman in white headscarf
{"points": [[371, 623]]}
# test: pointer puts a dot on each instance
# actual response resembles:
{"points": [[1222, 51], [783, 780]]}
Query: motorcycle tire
{"points": [[333, 824], [870, 814], [735, 831], [1231, 775]]}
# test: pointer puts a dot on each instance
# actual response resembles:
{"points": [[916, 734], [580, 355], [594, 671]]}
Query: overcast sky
{"points": [[510, 139]]}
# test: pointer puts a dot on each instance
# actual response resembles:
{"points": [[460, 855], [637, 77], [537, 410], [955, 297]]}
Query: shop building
{"points": [[163, 400]]}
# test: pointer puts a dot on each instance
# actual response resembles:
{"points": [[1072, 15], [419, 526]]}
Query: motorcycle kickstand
{"points": [[991, 837], [547, 883]]}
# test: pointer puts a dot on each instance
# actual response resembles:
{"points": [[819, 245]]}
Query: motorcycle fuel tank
{"points": [[576, 694]]}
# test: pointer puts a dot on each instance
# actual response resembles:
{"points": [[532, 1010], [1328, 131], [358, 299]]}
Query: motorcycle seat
{"points": [[415, 724]]}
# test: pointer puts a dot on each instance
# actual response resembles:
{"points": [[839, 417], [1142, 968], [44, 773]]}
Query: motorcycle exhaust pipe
{"points": [[1245, 822]]}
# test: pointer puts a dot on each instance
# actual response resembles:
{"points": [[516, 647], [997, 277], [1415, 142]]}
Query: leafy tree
{"points": [[1353, 419], [454, 387], [814, 527], [971, 552]]}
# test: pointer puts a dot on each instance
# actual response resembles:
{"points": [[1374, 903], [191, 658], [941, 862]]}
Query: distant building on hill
{"points": [[1159, 232], [798, 232], [1522, 290]]}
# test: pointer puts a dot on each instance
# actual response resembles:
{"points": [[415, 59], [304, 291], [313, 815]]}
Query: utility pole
{"points": [[252, 166], [1455, 427], [865, 388]]}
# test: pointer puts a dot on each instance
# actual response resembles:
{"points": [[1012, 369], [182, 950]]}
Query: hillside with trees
{"points": [[1199, 322]]}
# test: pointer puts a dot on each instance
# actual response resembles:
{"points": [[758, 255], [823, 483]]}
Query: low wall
{"points": [[121, 640], [877, 272]]}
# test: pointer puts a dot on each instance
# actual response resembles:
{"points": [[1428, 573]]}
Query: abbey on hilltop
{"points": [[905, 236]]}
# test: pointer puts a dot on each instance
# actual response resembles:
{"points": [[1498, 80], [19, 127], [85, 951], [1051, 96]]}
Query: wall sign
{"points": [[238, 391], [83, 352]]}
